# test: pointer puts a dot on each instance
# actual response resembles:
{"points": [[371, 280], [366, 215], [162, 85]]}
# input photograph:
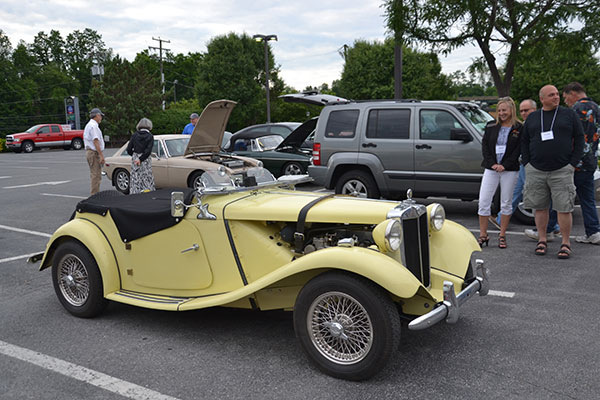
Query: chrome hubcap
{"points": [[355, 188], [122, 180], [340, 328], [293, 169], [73, 280]]}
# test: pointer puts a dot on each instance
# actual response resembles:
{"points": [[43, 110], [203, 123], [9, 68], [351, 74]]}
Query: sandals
{"points": [[502, 242], [483, 239], [541, 248], [564, 252]]}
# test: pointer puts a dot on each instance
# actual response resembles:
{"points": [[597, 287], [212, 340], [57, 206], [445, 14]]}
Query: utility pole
{"points": [[162, 75]]}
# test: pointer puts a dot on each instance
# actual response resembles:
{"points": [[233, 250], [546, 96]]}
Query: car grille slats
{"points": [[416, 246]]}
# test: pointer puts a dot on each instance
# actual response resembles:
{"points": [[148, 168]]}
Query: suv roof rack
{"points": [[388, 101]]}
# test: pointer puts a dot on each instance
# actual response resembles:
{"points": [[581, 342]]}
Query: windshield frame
{"points": [[477, 117]]}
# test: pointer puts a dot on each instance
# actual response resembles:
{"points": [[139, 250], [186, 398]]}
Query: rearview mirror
{"points": [[460, 134], [177, 205]]}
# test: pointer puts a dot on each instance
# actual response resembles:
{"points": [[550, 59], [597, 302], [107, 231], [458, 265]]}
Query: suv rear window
{"points": [[341, 124], [388, 124]]}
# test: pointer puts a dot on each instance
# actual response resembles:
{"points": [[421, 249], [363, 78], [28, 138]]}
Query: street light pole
{"points": [[265, 39]]}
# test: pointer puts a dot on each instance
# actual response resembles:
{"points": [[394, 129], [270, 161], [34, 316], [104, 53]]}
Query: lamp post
{"points": [[265, 39]]}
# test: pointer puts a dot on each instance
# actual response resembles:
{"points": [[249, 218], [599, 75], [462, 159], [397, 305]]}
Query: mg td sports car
{"points": [[348, 268]]}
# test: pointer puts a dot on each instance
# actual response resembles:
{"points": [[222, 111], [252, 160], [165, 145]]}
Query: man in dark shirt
{"points": [[588, 112], [551, 145]]}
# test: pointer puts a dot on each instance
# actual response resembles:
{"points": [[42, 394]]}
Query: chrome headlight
{"points": [[388, 235], [437, 217]]}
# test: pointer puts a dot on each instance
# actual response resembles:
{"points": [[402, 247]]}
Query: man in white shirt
{"points": [[94, 145]]}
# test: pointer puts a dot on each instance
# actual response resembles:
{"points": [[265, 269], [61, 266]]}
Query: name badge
{"points": [[500, 148], [547, 135]]}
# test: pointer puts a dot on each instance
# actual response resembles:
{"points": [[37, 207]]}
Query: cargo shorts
{"points": [[543, 186]]}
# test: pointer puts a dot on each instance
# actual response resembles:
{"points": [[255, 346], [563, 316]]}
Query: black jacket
{"points": [[510, 161], [141, 142]]}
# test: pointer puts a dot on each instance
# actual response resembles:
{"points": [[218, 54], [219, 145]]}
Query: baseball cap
{"points": [[193, 116], [95, 111]]}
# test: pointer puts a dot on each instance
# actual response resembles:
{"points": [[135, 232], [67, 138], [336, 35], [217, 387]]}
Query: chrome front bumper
{"points": [[449, 308]]}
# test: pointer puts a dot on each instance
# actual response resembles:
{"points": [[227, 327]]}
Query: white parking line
{"points": [[86, 375], [64, 195], [10, 228], [14, 166], [18, 257], [36, 184], [5, 177], [501, 294]]}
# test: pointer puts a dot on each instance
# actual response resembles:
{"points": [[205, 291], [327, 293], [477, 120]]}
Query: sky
{"points": [[310, 32]]}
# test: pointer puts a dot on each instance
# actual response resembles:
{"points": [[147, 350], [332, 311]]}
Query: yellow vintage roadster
{"points": [[350, 269]]}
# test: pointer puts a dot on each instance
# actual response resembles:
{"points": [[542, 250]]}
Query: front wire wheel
{"points": [[340, 328], [348, 326]]}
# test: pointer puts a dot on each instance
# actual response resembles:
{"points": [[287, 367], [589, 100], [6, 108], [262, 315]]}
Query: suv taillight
{"points": [[316, 154]]}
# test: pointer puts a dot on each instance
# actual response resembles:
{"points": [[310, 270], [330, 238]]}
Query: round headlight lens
{"points": [[437, 217], [393, 235]]}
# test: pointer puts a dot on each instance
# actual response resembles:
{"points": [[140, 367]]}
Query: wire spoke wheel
{"points": [[340, 328], [73, 280]]}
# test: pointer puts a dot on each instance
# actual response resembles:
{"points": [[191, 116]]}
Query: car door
{"points": [[160, 164], [43, 136], [445, 165], [56, 136], [387, 138], [171, 259]]}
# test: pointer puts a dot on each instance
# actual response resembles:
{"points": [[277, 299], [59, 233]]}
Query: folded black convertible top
{"points": [[136, 215]]}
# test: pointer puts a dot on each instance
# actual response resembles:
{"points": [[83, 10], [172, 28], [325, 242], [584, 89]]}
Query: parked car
{"points": [[180, 160], [282, 129], [45, 135], [349, 268], [278, 155]]}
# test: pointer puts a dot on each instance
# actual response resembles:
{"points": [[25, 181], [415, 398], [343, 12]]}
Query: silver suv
{"points": [[383, 148]]}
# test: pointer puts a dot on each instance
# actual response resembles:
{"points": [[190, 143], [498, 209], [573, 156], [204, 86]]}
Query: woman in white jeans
{"points": [[501, 147]]}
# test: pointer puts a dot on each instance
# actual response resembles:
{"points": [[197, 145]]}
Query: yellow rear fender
{"points": [[90, 236]]}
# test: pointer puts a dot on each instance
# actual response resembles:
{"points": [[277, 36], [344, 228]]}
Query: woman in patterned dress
{"points": [[140, 148]]}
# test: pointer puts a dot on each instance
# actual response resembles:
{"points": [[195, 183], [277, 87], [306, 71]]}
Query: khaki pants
{"points": [[93, 159]]}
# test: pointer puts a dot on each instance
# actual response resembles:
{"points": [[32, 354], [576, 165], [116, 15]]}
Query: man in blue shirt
{"points": [[189, 128]]}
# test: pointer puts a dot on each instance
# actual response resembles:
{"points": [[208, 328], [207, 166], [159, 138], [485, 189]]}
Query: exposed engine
{"points": [[320, 236]]}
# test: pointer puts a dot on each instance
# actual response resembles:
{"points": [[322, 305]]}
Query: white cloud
{"points": [[310, 32]]}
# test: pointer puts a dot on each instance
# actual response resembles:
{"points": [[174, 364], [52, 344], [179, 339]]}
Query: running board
{"points": [[156, 302]]}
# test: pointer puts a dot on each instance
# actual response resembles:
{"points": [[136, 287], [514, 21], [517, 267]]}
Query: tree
{"points": [[369, 73], [232, 68], [511, 26], [564, 59], [126, 93]]}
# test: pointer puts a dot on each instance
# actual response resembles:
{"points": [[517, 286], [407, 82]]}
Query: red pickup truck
{"points": [[45, 135]]}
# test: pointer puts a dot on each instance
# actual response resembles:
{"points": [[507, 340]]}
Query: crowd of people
{"points": [[545, 161]]}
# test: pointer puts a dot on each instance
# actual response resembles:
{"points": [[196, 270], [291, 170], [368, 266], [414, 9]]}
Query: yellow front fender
{"points": [[90, 236], [379, 268]]}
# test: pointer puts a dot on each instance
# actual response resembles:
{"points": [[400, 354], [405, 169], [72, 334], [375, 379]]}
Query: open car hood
{"points": [[313, 97], [299, 135], [209, 130]]}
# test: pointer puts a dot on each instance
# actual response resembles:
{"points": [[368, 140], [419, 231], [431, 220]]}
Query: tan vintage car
{"points": [[180, 160]]}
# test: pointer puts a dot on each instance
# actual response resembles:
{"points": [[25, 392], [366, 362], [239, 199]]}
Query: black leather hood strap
{"points": [[299, 234]]}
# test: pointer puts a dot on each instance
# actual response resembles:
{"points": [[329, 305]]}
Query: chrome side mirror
{"points": [[177, 205]]}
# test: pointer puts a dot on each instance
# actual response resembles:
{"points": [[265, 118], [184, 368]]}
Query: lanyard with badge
{"points": [[548, 135]]}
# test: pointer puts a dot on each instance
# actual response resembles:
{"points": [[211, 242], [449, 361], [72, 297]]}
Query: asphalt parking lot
{"points": [[535, 336]]}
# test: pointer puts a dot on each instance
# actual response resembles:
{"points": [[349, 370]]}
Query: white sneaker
{"points": [[593, 239], [533, 234]]}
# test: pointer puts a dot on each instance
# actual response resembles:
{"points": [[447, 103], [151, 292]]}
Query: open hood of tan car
{"points": [[208, 132]]}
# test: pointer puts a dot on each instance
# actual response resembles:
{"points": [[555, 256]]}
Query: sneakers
{"points": [[493, 221], [533, 234], [593, 239]]}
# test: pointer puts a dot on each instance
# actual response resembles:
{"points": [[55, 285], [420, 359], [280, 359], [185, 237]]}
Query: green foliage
{"points": [[567, 58], [233, 69], [369, 73], [126, 94], [174, 118], [3, 148], [516, 26]]}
